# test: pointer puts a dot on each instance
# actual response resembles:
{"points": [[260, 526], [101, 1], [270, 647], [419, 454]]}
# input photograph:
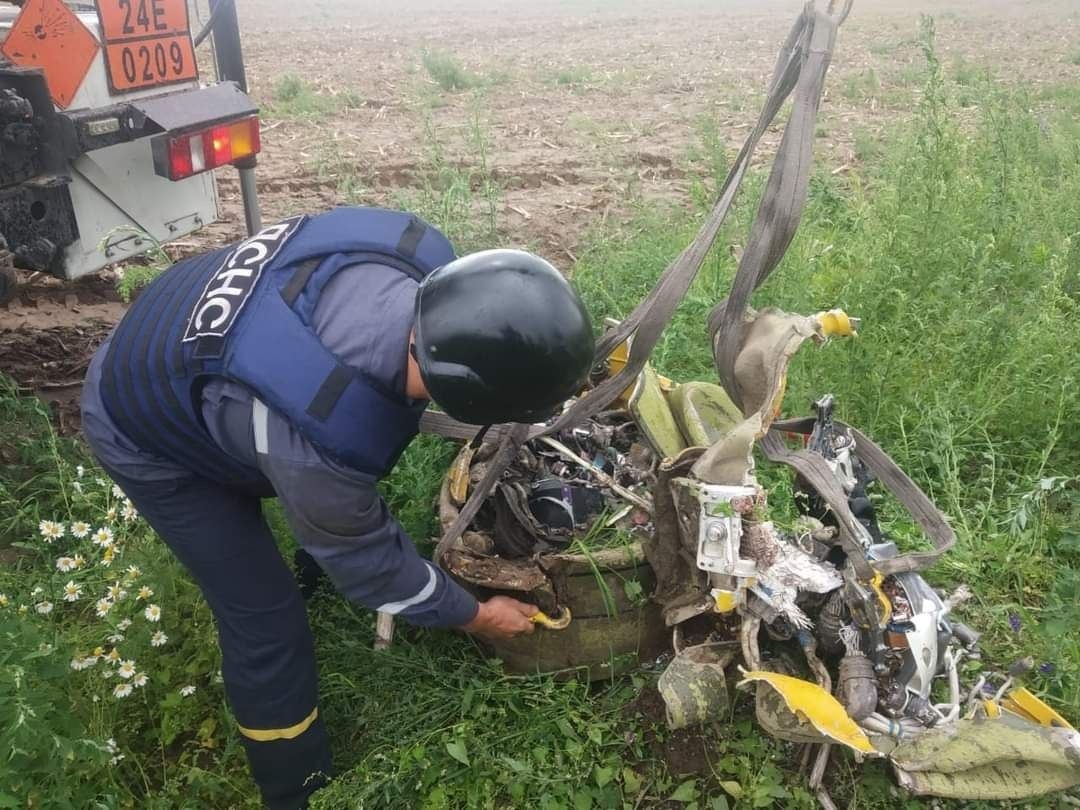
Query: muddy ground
{"points": [[582, 109]]}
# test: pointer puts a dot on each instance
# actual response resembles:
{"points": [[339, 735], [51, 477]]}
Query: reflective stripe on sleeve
{"points": [[271, 734], [258, 423], [394, 608]]}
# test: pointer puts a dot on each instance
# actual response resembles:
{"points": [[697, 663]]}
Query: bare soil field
{"points": [[576, 111]]}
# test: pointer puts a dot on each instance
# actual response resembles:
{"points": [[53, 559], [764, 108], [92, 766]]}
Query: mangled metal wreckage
{"points": [[828, 621]]}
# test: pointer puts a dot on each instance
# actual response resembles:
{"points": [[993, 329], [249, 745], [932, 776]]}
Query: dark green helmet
{"points": [[500, 336]]}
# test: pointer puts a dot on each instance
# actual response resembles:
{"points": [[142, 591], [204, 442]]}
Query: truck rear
{"points": [[107, 137]]}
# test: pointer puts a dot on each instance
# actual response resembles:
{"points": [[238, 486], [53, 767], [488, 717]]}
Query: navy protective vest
{"points": [[244, 312]]}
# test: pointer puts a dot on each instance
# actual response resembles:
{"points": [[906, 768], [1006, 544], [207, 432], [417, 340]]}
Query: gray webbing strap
{"points": [[817, 472], [806, 50], [781, 207]]}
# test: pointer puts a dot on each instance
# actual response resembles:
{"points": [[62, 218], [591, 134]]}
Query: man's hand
{"points": [[502, 617]]}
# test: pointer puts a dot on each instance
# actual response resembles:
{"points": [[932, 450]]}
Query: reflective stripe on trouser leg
{"points": [[268, 655]]}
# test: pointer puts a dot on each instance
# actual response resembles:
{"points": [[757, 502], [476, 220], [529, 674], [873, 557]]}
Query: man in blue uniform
{"points": [[296, 364]]}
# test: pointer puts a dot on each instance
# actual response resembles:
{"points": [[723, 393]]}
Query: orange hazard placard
{"points": [[48, 35], [147, 43]]}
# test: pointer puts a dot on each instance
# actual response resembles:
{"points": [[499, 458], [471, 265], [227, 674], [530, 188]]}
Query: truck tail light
{"points": [[193, 152]]}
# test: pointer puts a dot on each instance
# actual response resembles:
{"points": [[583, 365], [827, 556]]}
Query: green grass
{"points": [[447, 71], [574, 77], [960, 249], [295, 97]]}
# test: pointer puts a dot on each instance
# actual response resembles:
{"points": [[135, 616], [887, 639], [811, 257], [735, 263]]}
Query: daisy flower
{"points": [[159, 639], [117, 492], [51, 530], [65, 564], [107, 673], [100, 481], [129, 512], [23, 610], [72, 591], [80, 529], [44, 608], [80, 470], [107, 557], [133, 572], [4, 600], [77, 486], [102, 607], [152, 613], [140, 680], [115, 592], [187, 691], [103, 537], [115, 638], [123, 625], [144, 593], [110, 515], [126, 669], [79, 560], [122, 690], [79, 664], [113, 655]]}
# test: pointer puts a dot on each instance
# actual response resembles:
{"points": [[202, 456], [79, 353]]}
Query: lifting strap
{"points": [[800, 67]]}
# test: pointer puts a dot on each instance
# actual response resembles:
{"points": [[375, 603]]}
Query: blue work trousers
{"points": [[268, 654]]}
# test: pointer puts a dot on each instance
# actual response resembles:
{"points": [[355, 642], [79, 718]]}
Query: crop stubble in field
{"points": [[582, 109]]}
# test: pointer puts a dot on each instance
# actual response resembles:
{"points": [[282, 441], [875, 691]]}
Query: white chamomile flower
{"points": [[126, 669], [102, 607], [129, 512], [111, 746], [187, 691], [77, 486], [107, 557], [110, 515], [116, 760], [80, 529], [123, 625], [100, 481], [80, 471], [159, 639], [107, 673], [152, 613], [144, 593], [113, 655], [23, 610], [133, 572], [115, 638], [79, 560], [51, 530], [38, 590], [103, 537], [79, 664], [65, 564], [140, 680], [116, 592], [122, 690], [44, 608], [117, 492], [72, 591], [4, 601]]}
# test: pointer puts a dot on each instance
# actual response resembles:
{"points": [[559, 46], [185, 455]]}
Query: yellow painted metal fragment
{"points": [[561, 623], [836, 323], [459, 475], [1025, 703], [821, 710]]}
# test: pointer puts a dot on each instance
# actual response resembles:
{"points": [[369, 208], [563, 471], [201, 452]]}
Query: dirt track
{"points": [[585, 107]]}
